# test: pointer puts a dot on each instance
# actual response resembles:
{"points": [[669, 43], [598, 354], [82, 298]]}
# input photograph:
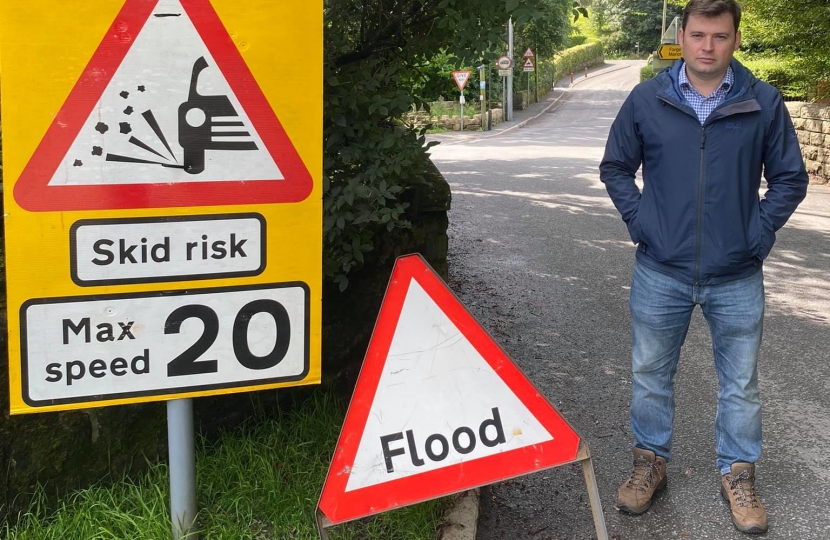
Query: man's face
{"points": [[708, 44]]}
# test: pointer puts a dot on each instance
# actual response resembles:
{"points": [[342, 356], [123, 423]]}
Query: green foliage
{"points": [[577, 10], [794, 34], [259, 481], [788, 74], [545, 33], [633, 21], [578, 39], [646, 73], [554, 68], [570, 60], [434, 82], [600, 12], [374, 54]]}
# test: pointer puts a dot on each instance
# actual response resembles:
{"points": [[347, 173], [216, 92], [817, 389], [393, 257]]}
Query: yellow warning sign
{"points": [[669, 51], [163, 194]]}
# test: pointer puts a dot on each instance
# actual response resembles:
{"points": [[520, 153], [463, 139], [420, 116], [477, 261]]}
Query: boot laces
{"points": [[643, 474], [743, 489]]}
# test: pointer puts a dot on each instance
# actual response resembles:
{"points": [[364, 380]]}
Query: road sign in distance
{"points": [[529, 53], [669, 51], [461, 78], [505, 62], [528, 65], [505, 72]]}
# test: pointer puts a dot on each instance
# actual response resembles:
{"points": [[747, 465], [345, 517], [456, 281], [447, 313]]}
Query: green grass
{"points": [[259, 482], [471, 108]]}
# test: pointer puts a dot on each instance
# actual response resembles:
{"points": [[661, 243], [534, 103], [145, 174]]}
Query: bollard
{"points": [[572, 77], [586, 72]]}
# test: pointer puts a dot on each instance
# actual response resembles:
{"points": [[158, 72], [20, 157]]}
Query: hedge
{"points": [[570, 61], [646, 73]]}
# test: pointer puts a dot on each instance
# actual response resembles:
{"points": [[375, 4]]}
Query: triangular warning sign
{"points": [[528, 63], [461, 78], [529, 53], [165, 114], [438, 408]]}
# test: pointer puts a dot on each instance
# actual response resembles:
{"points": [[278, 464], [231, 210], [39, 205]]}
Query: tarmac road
{"points": [[540, 256]]}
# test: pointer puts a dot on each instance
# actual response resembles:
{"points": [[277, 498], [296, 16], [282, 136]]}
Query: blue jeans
{"points": [[661, 308]]}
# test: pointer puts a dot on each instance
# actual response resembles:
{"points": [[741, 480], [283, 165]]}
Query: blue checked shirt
{"points": [[703, 106]]}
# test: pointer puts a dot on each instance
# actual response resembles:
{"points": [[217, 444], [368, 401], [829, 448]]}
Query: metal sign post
{"points": [[182, 456], [461, 78], [509, 94]]}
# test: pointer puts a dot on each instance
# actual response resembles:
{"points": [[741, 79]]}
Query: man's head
{"points": [[713, 8], [709, 37]]}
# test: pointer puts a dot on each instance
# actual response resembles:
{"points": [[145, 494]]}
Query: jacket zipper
{"points": [[700, 204]]}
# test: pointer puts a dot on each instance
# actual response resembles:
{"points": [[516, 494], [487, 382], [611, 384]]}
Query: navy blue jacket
{"points": [[699, 217]]}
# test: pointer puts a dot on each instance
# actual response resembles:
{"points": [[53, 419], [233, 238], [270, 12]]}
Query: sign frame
{"points": [[409, 270], [40, 90]]}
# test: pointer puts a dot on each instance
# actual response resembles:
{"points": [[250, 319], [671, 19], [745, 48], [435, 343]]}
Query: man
{"points": [[703, 131]]}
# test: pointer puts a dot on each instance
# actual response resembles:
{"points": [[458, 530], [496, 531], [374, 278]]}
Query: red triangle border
{"points": [[32, 191], [340, 506]]}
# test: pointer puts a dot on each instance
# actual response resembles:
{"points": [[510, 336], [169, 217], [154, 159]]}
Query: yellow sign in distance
{"points": [[670, 51], [173, 279]]}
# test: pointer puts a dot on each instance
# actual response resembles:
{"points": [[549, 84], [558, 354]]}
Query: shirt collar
{"points": [[725, 85]]}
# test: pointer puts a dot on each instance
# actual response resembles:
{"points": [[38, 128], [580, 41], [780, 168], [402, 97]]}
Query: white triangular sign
{"points": [[461, 78], [423, 392], [144, 121], [438, 407]]}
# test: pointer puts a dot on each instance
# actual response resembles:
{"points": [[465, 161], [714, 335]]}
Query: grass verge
{"points": [[258, 482]]}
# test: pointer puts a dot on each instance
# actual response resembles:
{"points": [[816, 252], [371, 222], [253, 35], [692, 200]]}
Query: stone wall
{"points": [[453, 122], [812, 122]]}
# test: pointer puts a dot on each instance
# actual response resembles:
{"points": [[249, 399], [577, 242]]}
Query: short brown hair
{"points": [[713, 8]]}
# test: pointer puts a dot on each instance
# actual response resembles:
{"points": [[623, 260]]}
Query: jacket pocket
{"points": [[641, 221], [763, 237]]}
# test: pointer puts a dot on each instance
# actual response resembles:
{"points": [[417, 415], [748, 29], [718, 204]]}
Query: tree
{"points": [[798, 30], [374, 50], [640, 21], [548, 31], [599, 14]]}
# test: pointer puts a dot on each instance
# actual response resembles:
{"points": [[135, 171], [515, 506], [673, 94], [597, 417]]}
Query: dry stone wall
{"points": [[453, 122], [812, 123]]}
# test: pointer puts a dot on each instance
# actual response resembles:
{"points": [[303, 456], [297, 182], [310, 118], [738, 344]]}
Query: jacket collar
{"points": [[741, 89]]}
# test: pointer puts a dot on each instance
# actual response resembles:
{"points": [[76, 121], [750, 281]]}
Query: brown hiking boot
{"points": [[738, 489], [648, 477]]}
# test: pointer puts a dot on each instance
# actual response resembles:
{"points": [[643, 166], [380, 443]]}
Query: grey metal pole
{"points": [[182, 455], [665, 13], [462, 110], [509, 96], [482, 93]]}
